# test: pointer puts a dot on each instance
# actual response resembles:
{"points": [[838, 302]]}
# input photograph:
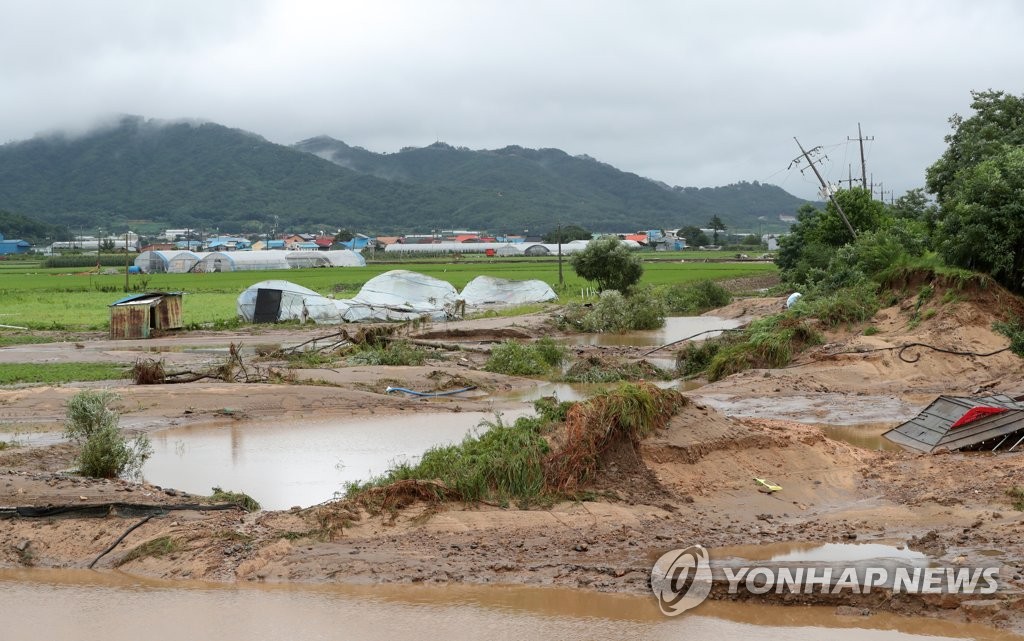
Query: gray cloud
{"points": [[692, 94]]}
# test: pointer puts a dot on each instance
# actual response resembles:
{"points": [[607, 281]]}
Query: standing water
{"points": [[285, 464], [77, 605], [676, 328]]}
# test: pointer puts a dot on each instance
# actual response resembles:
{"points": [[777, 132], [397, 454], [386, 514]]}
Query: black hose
{"points": [[119, 539]]}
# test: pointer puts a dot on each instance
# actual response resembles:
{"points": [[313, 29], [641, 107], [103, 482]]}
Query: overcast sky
{"points": [[690, 93]]}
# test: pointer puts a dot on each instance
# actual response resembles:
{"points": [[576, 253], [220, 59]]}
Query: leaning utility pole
{"points": [[561, 281], [824, 186], [863, 167]]}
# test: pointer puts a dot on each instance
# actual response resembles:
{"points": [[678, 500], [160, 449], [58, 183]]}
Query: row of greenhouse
{"points": [[183, 262], [496, 249]]}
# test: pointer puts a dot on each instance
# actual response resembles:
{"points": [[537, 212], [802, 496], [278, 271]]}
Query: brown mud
{"points": [[692, 484]]}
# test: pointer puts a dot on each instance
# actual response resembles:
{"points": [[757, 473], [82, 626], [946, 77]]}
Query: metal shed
{"points": [[963, 423], [144, 315]]}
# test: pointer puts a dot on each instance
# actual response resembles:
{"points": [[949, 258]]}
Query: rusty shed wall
{"points": [[129, 321], [168, 313]]}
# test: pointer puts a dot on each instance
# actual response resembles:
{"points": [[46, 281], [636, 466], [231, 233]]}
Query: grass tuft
{"points": [[241, 499], [526, 359]]}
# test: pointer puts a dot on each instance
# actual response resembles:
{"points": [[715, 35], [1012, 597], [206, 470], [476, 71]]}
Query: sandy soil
{"points": [[692, 483]]}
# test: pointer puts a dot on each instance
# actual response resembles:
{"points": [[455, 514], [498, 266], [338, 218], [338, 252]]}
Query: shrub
{"points": [[105, 452], [598, 369], [522, 359], [695, 298], [695, 356], [1014, 330], [853, 304], [614, 312]]}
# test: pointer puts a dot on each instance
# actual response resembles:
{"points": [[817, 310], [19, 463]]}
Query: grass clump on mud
{"points": [[160, 546], [388, 353], [526, 359], [532, 460], [696, 298], [768, 342], [1014, 330], [106, 453], [601, 369], [1017, 495], [241, 499]]}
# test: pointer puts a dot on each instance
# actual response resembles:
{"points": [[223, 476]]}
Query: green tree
{"points": [[693, 235], [982, 223], [343, 236], [716, 225], [998, 121], [863, 212], [979, 182], [569, 233], [609, 262]]}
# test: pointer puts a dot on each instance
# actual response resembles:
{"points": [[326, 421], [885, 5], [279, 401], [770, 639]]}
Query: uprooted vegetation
{"points": [[596, 368], [531, 460]]}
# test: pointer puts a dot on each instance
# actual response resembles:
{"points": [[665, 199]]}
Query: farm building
{"points": [[242, 261], [963, 423], [13, 246], [334, 258], [143, 315]]}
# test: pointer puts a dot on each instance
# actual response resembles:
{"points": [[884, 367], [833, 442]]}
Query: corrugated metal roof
{"points": [[136, 299], [933, 427]]}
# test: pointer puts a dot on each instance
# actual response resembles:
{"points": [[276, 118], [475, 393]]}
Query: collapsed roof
{"points": [[963, 423], [393, 295]]}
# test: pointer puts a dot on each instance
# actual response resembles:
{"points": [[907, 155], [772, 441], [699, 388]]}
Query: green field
{"points": [[61, 299]]}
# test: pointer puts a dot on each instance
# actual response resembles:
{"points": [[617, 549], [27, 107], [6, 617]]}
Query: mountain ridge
{"points": [[191, 172]]}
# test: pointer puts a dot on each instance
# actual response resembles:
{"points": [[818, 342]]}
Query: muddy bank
{"points": [[691, 485]]}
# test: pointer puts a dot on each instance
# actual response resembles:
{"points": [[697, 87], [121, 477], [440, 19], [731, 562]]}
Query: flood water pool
{"points": [[302, 463], [80, 605], [676, 328]]}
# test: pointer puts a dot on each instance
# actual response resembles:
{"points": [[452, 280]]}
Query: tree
{"points": [[609, 262], [978, 182], [343, 236], [716, 225], [693, 235], [569, 234]]}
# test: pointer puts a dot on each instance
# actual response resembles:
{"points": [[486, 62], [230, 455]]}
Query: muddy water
{"points": [[868, 436], [300, 463], [96, 606], [580, 391], [798, 552], [676, 328]]}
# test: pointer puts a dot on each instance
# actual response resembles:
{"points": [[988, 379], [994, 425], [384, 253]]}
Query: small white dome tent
{"points": [[272, 301], [334, 258], [487, 290]]}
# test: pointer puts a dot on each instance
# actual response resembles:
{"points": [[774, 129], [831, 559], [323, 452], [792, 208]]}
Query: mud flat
{"points": [[690, 483]]}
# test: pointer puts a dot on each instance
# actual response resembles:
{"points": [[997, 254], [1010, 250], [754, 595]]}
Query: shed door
{"points": [[268, 306]]}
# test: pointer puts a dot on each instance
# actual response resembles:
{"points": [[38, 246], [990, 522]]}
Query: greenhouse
{"points": [[488, 290], [273, 301], [243, 261], [184, 262], [336, 258], [156, 262]]}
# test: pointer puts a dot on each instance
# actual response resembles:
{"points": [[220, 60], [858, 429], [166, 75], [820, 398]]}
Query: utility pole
{"points": [[824, 185], [126, 261], [863, 167], [850, 179], [561, 281]]}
